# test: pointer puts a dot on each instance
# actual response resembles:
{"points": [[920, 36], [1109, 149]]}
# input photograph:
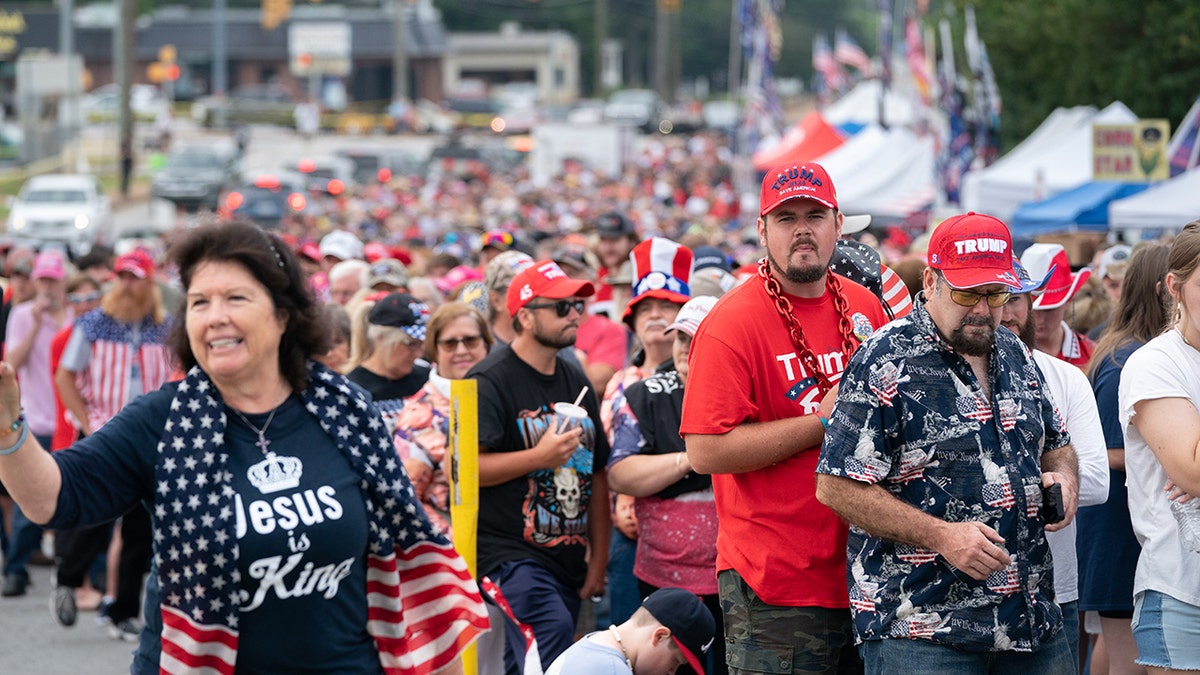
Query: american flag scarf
{"points": [[424, 607]]}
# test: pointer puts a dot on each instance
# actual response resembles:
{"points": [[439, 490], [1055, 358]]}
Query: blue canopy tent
{"points": [[1081, 208]]}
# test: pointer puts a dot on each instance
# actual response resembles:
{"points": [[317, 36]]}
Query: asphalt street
{"points": [[33, 643]]}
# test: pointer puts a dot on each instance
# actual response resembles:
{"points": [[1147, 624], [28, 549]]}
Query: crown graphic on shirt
{"points": [[275, 473]]}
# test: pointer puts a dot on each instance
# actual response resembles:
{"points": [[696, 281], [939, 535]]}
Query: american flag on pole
{"points": [[1184, 148], [846, 51], [825, 65], [914, 53]]}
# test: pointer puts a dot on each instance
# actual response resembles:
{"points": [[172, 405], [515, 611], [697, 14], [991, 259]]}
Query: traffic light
{"points": [[274, 12]]}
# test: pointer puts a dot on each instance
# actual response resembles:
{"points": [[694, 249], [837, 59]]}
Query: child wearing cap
{"points": [[671, 632]]}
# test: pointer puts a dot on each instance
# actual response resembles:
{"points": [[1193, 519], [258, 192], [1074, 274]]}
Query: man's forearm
{"points": [[754, 445], [1061, 460], [876, 511]]}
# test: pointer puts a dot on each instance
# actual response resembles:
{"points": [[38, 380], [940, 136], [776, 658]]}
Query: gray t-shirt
{"points": [[588, 657]]}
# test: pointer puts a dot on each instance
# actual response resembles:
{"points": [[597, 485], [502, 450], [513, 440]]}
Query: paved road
{"points": [[33, 643]]}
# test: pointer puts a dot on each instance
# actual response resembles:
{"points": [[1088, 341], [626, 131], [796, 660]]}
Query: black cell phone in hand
{"points": [[1053, 510]]}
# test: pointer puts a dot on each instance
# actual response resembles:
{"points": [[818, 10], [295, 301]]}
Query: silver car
{"points": [[66, 208]]}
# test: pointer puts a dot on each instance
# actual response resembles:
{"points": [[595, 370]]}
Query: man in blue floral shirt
{"points": [[937, 451]]}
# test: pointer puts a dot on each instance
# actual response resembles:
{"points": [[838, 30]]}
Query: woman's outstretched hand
{"points": [[10, 395]]}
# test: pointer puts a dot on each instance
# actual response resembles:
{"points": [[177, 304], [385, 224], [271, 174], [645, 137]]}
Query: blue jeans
{"points": [[542, 602], [26, 536], [1070, 611], [919, 657], [623, 596]]}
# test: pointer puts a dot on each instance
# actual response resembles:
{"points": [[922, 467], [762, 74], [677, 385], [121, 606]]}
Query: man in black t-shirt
{"points": [[544, 491]]}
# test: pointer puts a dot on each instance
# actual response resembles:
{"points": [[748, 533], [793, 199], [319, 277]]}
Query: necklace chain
{"points": [[617, 635], [784, 307], [262, 441], [1183, 337]]}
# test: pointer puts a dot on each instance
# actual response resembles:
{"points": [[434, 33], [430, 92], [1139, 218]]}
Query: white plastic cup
{"points": [[567, 416]]}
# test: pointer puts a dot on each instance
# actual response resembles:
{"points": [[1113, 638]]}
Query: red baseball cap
{"points": [[137, 262], [972, 250], [544, 279], [798, 180]]}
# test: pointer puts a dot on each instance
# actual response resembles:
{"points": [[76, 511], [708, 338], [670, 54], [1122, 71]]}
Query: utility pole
{"points": [[601, 19], [662, 38], [735, 51], [399, 50], [124, 34]]}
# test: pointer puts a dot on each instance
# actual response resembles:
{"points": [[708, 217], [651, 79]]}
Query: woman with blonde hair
{"points": [[1159, 401], [456, 339]]}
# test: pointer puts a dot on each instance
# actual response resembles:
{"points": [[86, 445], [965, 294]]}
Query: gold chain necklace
{"points": [[617, 635], [803, 351]]}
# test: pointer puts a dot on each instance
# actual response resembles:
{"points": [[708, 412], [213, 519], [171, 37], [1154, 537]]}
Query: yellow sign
{"points": [[463, 474], [167, 54], [1133, 153]]}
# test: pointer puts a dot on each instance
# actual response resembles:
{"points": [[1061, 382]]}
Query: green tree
{"points": [[1051, 53]]}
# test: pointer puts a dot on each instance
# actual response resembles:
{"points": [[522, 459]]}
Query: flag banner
{"points": [[914, 53], [846, 51], [1184, 150]]}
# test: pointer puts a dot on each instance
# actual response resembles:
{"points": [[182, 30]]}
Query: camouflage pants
{"points": [[762, 638]]}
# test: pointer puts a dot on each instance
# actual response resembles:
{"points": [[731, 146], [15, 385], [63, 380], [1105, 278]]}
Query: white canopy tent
{"points": [[860, 105], [1165, 207], [1056, 157], [886, 173]]}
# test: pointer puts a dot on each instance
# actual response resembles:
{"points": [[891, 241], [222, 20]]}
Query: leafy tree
{"points": [[1051, 53]]}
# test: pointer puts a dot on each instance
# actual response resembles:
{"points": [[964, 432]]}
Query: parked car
{"points": [[380, 165], [69, 209], [640, 107], [266, 199], [331, 175], [248, 104], [194, 177], [146, 102]]}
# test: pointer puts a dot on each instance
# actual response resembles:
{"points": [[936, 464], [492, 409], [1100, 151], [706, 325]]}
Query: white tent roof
{"points": [[860, 105], [886, 173], [1056, 157], [1168, 206], [845, 161]]}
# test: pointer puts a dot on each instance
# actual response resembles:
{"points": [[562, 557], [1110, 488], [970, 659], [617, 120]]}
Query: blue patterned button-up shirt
{"points": [[911, 417]]}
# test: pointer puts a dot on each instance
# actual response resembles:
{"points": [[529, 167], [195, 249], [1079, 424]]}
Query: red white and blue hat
{"points": [[1051, 260], [661, 269]]}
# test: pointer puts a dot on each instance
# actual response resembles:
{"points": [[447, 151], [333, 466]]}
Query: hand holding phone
{"points": [[1053, 510]]}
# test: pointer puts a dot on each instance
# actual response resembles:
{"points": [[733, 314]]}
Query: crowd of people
{"points": [[763, 438]]}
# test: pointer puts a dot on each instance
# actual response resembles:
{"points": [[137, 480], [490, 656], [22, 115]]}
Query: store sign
{"points": [[12, 25], [319, 48], [1133, 153]]}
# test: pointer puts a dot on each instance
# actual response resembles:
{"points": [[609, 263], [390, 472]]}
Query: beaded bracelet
{"points": [[19, 423]]}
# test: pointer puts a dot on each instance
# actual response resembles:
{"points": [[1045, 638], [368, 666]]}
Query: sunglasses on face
{"points": [[451, 344], [83, 297], [501, 239], [562, 308], [971, 298]]}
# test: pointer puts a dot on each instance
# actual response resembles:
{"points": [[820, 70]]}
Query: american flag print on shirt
{"points": [[423, 606]]}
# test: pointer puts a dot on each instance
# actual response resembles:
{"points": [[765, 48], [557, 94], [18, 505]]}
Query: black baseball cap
{"points": [[691, 624], [613, 224], [403, 311], [710, 256]]}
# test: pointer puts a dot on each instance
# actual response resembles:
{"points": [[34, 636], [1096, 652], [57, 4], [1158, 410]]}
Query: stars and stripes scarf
{"points": [[423, 606]]}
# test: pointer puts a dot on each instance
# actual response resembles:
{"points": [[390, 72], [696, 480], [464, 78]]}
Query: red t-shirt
{"points": [[743, 368], [603, 340]]}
